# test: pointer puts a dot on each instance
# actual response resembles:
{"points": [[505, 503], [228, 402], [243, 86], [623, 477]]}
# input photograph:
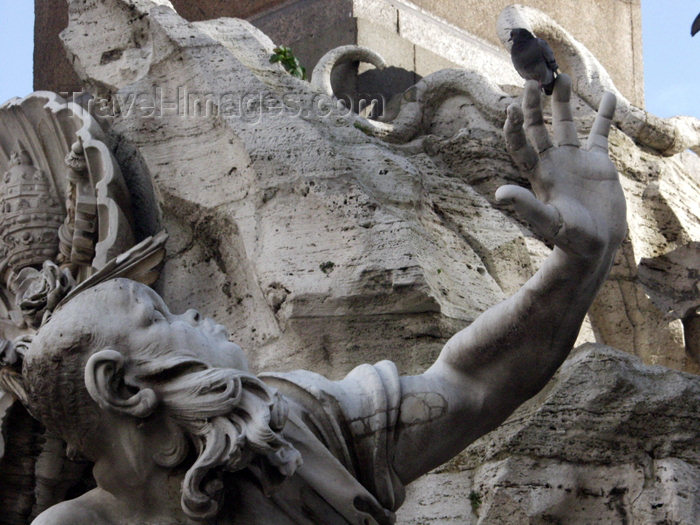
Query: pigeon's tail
{"points": [[696, 26], [549, 88]]}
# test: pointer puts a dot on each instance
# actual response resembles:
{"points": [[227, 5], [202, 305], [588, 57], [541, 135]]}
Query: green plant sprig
{"points": [[285, 56]]}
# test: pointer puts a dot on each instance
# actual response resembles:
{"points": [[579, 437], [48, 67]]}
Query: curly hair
{"points": [[230, 417]]}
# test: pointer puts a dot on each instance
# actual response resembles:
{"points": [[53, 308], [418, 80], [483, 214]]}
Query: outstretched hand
{"points": [[578, 203], [497, 362]]}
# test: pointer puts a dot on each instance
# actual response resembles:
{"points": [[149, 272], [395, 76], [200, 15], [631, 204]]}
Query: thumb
{"points": [[544, 219]]}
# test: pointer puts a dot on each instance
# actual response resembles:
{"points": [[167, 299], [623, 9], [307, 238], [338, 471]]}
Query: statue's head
{"points": [[116, 355]]}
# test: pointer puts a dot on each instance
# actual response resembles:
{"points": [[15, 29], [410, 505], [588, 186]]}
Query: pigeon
{"points": [[533, 59], [696, 26]]}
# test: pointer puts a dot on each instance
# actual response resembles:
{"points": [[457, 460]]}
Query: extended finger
{"points": [[598, 139], [544, 219], [562, 119], [534, 122], [518, 146]]}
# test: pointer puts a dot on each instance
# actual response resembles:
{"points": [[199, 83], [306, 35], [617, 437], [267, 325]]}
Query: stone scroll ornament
{"points": [[65, 225]]}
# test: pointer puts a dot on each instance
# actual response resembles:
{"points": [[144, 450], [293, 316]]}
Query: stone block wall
{"points": [[421, 37]]}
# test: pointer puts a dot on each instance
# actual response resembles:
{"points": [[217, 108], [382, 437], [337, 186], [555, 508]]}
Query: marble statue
{"points": [[180, 432]]}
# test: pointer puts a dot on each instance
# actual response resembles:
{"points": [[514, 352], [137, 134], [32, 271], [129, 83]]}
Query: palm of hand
{"points": [[579, 204]]}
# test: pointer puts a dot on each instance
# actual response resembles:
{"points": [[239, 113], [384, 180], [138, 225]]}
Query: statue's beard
{"points": [[230, 417]]}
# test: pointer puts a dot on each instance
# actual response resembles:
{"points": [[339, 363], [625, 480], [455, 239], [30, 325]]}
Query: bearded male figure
{"points": [[180, 432]]}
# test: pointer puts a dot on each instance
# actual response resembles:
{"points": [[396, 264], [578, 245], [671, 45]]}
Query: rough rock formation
{"points": [[610, 440], [294, 228], [321, 246]]}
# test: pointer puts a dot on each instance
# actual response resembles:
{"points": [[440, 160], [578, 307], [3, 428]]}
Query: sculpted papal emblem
{"points": [[64, 205]]}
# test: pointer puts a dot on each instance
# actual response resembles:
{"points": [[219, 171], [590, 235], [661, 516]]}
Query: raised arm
{"points": [[510, 352]]}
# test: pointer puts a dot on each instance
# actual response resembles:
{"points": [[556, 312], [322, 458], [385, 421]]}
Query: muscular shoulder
{"points": [[365, 392]]}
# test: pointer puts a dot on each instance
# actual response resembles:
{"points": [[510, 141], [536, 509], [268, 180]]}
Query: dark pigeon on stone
{"points": [[696, 26], [533, 59]]}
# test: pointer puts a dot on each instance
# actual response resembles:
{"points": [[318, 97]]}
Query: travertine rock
{"points": [[334, 225], [610, 440], [294, 225]]}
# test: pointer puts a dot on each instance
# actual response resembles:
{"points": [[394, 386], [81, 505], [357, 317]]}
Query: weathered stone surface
{"points": [[21, 448], [631, 312], [400, 227], [53, 72], [666, 136], [610, 440], [314, 201]]}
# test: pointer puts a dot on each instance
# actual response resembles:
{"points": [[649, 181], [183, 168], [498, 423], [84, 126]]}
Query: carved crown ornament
{"points": [[66, 221]]}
